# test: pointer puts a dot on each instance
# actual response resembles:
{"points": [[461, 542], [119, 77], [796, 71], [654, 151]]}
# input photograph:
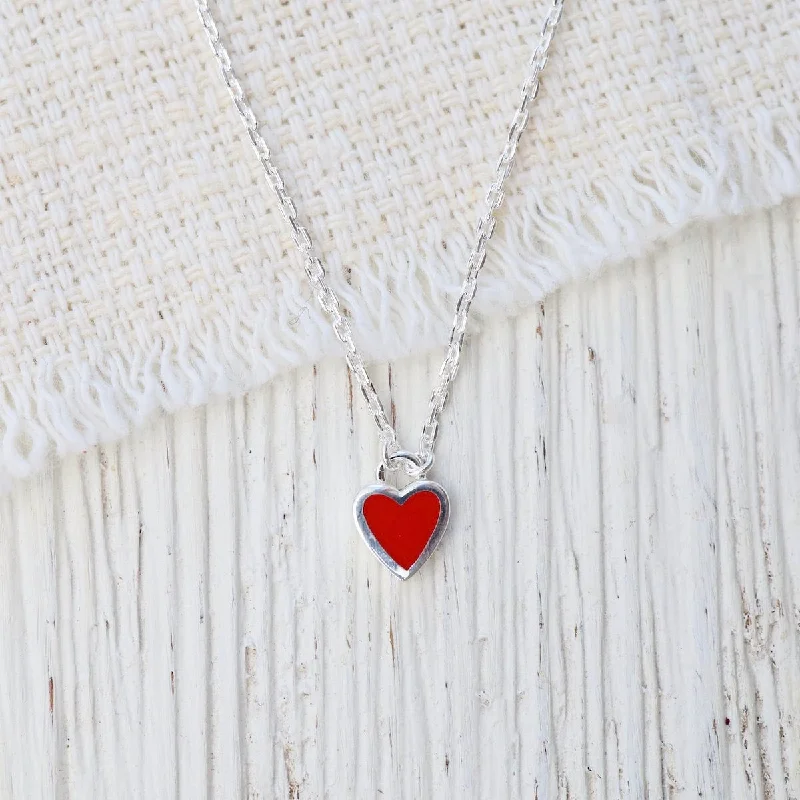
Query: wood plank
{"points": [[615, 611]]}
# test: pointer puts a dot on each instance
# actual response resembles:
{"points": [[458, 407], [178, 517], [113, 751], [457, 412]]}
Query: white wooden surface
{"points": [[615, 611]]}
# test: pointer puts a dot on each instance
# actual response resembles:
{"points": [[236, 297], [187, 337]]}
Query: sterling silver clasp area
{"points": [[414, 465]]}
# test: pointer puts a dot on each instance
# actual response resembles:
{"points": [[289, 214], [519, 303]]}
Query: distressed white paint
{"points": [[615, 611]]}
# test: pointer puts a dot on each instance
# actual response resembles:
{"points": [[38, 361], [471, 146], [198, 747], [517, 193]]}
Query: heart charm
{"points": [[402, 527]]}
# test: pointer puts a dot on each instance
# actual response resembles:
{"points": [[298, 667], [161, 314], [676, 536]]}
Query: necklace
{"points": [[401, 527]]}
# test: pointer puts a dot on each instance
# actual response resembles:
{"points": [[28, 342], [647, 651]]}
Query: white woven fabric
{"points": [[142, 262]]}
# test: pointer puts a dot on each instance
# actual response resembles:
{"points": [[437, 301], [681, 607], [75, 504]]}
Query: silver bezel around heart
{"points": [[400, 496]]}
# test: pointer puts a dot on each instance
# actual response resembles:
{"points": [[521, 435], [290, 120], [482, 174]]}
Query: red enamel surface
{"points": [[403, 528]]}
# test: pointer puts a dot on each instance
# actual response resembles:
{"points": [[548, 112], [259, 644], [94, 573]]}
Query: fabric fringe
{"points": [[71, 404]]}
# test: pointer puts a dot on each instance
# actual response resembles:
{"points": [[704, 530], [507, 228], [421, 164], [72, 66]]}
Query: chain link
{"points": [[315, 270]]}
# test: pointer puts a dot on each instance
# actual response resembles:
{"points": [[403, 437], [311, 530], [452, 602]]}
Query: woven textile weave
{"points": [[143, 264]]}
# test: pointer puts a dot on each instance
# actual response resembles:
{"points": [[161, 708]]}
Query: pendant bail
{"points": [[415, 465]]}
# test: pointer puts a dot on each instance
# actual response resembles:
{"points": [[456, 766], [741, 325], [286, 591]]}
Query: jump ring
{"points": [[413, 463]]}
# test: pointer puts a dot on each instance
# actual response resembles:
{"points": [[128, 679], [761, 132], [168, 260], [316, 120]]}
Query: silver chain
{"points": [[416, 464]]}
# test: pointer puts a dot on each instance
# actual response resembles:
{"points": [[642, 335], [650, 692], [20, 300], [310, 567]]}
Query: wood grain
{"points": [[614, 613]]}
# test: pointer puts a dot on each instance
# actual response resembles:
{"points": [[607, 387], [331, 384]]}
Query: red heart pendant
{"points": [[402, 528]]}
